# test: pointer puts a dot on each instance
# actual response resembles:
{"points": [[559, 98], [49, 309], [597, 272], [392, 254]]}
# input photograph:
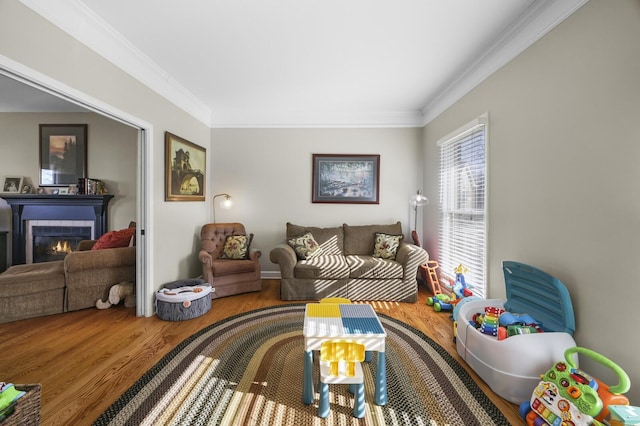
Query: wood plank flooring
{"points": [[86, 359]]}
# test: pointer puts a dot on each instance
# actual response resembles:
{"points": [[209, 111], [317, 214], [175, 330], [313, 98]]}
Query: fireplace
{"points": [[62, 211], [54, 242]]}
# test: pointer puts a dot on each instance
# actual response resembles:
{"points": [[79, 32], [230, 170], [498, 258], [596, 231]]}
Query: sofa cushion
{"points": [[114, 239], [222, 267], [32, 278], [386, 245], [330, 240], [305, 246], [373, 267], [236, 247], [361, 239], [330, 267]]}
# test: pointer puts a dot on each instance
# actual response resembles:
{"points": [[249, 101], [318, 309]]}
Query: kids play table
{"points": [[355, 322]]}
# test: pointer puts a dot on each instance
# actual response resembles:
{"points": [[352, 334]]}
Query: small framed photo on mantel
{"points": [[12, 184]]}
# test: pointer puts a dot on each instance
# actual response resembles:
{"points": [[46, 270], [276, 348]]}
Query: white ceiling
{"points": [[247, 63]]}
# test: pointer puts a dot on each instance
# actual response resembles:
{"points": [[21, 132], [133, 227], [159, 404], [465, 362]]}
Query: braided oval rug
{"points": [[247, 370]]}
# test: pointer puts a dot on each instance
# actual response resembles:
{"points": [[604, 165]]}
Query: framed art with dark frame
{"points": [[63, 154], [185, 169], [342, 178]]}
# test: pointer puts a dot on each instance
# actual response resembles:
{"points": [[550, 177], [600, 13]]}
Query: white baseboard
{"points": [[270, 275]]}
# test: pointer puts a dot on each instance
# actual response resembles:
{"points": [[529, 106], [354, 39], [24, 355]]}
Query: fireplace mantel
{"points": [[26, 207]]}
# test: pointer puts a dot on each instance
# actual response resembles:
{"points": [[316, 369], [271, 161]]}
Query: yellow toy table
{"points": [[354, 322]]}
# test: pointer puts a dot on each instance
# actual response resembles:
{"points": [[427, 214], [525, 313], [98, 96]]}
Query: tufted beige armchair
{"points": [[227, 276]]}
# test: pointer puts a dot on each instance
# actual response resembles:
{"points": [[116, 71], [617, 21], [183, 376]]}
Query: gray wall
{"points": [[268, 172], [111, 157], [563, 171]]}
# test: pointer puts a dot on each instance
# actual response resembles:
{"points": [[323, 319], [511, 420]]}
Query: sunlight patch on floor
{"points": [[380, 305]]}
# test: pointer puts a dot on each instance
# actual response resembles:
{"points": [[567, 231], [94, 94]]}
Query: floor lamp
{"points": [[416, 201], [226, 204]]}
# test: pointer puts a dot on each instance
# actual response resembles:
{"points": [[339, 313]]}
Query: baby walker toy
{"points": [[568, 396]]}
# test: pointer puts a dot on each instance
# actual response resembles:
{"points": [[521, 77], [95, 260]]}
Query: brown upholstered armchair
{"points": [[227, 276]]}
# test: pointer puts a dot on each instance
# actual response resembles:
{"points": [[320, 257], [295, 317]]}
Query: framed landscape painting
{"points": [[63, 154], [185, 169], [339, 178]]}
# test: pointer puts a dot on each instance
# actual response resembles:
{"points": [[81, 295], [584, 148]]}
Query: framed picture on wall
{"points": [[63, 154], [339, 178], [185, 169]]}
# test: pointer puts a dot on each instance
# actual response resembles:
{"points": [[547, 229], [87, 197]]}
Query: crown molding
{"points": [[542, 17], [317, 119], [80, 22]]}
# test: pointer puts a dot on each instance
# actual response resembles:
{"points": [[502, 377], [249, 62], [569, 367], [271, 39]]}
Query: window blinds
{"points": [[463, 205]]}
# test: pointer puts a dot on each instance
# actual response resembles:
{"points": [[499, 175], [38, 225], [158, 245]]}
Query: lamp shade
{"points": [[226, 203], [418, 199]]}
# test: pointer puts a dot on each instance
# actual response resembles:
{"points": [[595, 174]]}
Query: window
{"points": [[463, 204]]}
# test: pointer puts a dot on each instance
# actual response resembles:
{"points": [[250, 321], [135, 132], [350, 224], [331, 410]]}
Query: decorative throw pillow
{"points": [[114, 239], [305, 246], [236, 247], [386, 246]]}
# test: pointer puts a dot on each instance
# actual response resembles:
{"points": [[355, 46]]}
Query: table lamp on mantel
{"points": [[226, 203]]}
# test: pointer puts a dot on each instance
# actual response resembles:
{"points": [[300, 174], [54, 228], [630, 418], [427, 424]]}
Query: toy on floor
{"points": [[460, 288], [438, 301], [461, 295], [459, 292], [123, 291], [567, 395], [429, 270]]}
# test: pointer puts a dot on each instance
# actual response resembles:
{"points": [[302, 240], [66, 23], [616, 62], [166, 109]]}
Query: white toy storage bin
{"points": [[512, 367]]}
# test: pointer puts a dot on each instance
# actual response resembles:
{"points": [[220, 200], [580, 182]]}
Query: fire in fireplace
{"points": [[54, 242]]}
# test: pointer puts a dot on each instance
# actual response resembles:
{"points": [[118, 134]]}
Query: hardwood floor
{"points": [[86, 359]]}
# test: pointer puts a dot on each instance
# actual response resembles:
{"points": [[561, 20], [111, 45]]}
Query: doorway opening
{"points": [[34, 79]]}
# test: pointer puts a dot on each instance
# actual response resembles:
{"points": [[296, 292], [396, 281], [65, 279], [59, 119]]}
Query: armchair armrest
{"points": [[205, 257], [99, 259], [254, 254], [411, 256], [285, 256], [85, 245]]}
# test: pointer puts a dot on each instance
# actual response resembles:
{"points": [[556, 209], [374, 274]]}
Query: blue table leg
{"points": [[381, 380], [307, 379]]}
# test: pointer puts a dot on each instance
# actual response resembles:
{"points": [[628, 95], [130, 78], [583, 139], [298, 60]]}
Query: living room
{"points": [[562, 163]]}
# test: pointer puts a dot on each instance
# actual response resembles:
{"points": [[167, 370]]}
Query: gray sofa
{"points": [[346, 267]]}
